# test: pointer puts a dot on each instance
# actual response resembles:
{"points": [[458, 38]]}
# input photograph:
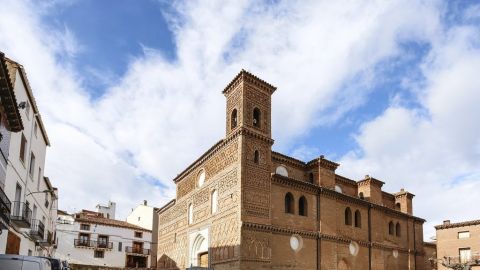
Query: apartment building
{"points": [[458, 243], [32, 198], [142, 216], [91, 238]]}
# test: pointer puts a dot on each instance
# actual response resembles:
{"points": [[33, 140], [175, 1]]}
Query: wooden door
{"points": [[203, 259], [13, 244]]}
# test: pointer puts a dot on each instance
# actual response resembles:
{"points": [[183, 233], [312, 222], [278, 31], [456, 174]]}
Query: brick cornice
{"points": [[248, 77]]}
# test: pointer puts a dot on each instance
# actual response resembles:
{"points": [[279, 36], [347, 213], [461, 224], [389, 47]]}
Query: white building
{"points": [[142, 216], [33, 199], [108, 211], [90, 239]]}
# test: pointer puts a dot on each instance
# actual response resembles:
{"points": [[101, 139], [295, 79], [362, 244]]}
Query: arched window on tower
{"points": [[310, 178], [289, 201], [358, 219], [256, 157], [398, 230], [302, 206], [256, 117], [233, 119], [348, 216], [398, 206], [391, 228], [361, 196]]}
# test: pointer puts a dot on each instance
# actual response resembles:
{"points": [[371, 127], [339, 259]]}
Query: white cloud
{"points": [[161, 115]]}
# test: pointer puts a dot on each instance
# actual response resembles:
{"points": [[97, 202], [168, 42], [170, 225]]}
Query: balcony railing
{"points": [[471, 260], [5, 206], [137, 250], [21, 215], [92, 244], [37, 230]]}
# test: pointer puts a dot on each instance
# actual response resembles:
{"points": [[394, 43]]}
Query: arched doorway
{"points": [[199, 252]]}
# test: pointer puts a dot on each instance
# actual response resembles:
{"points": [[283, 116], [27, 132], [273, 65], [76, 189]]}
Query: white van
{"points": [[18, 262]]}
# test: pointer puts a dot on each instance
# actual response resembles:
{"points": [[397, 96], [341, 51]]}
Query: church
{"points": [[243, 206]]}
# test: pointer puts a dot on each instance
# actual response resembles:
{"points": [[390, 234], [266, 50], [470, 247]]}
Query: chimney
{"points": [[145, 202], [446, 222]]}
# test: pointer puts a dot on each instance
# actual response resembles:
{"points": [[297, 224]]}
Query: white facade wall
{"points": [[142, 216], [18, 173], [66, 250]]}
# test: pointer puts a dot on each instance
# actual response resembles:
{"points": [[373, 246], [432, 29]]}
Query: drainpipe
{"points": [[369, 237]]}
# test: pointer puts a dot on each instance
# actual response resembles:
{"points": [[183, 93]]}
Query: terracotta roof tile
{"points": [[109, 222]]}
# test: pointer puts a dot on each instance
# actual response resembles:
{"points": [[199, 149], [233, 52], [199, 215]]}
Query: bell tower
{"points": [[248, 116]]}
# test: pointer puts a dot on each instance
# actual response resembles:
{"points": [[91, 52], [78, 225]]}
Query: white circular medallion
{"points": [[353, 248], [296, 242]]}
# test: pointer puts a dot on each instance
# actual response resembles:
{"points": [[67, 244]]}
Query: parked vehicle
{"points": [[19, 262], [56, 263]]}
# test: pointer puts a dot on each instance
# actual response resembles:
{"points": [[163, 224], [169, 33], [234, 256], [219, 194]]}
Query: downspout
{"points": [[369, 237]]}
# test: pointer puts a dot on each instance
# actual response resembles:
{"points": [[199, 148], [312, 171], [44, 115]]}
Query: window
{"points": [[138, 218], [29, 265], [348, 216], [119, 246], [102, 241], [214, 202], [391, 229], [47, 203], [201, 178], [358, 219], [310, 178], [256, 117], [27, 109], [398, 207], [138, 234], [361, 196], [190, 214], [463, 235], [233, 119], [85, 227], [23, 148], [302, 206], [32, 165], [83, 239], [256, 157], [99, 254], [281, 171], [465, 254], [34, 213], [398, 231], [39, 178], [289, 203], [35, 128]]}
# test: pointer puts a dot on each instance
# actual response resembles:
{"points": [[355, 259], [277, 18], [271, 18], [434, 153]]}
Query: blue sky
{"points": [[383, 88]]}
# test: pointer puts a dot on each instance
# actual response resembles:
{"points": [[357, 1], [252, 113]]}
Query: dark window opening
{"points": [[310, 178], [358, 219], [99, 254], [138, 234], [397, 230], [397, 206], [361, 196], [302, 206], [256, 117], [348, 216], [391, 229], [289, 203], [256, 157], [233, 119]]}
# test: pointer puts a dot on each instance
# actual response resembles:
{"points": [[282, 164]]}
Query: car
{"points": [[20, 262], [56, 263]]}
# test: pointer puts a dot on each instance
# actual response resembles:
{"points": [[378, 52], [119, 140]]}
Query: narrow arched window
{"points": [[348, 216], [361, 196], [302, 206], [190, 213], [358, 219], [391, 228], [214, 205], [398, 230], [256, 157], [397, 206], [233, 119], [289, 201], [310, 178], [256, 117]]}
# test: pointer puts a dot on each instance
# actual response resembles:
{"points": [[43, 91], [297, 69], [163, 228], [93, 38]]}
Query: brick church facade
{"points": [[243, 206]]}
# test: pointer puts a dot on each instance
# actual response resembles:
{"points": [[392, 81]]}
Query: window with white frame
{"points": [[463, 235], [465, 254]]}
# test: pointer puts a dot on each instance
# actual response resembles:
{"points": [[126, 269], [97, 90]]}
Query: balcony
{"points": [[92, 244], [5, 206], [21, 215], [49, 241], [137, 250], [452, 262], [37, 230]]}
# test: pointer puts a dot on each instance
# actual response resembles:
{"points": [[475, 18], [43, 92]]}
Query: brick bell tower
{"points": [[248, 115]]}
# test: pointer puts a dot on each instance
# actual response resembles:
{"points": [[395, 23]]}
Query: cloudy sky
{"points": [[131, 91]]}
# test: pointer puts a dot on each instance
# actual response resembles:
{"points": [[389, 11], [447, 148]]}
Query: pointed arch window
{"points": [[310, 178], [233, 119], [257, 115], [348, 216], [398, 231], [358, 219], [302, 206], [256, 157], [391, 228], [361, 196], [289, 201], [398, 206]]}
